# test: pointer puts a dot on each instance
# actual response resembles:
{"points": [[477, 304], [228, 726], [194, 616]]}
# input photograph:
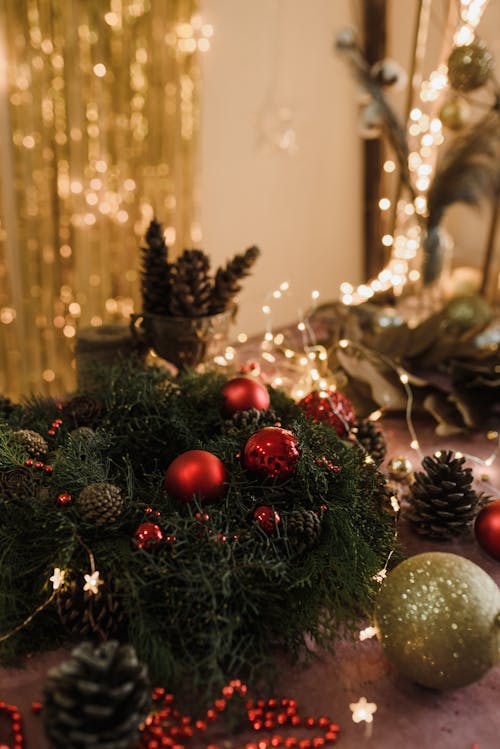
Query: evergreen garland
{"points": [[198, 608]]}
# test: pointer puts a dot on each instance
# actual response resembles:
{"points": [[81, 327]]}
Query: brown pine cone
{"points": [[227, 279], [190, 285], [34, 444], [17, 483], [155, 271], [81, 411]]}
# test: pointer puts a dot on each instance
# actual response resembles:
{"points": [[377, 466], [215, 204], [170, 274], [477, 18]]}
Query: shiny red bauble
{"points": [[266, 518], [242, 394], [487, 529], [196, 474], [148, 536], [330, 407], [272, 453]]}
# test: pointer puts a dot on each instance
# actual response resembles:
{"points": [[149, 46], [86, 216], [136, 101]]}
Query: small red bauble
{"points": [[196, 474], [243, 393], [272, 453], [487, 529], [64, 499], [330, 407], [148, 535], [266, 518]]}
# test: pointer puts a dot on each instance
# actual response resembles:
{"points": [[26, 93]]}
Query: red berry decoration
{"points": [[196, 474], [487, 529], [148, 536], [266, 518], [331, 407], [272, 453], [64, 499], [244, 393]]}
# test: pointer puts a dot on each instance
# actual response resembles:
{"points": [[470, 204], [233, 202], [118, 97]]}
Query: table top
{"points": [[407, 716]]}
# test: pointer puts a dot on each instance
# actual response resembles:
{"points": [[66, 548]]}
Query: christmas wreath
{"points": [[207, 521]]}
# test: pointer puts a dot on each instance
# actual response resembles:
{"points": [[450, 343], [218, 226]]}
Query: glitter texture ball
{"points": [[242, 394], [272, 453], [438, 619], [330, 407], [470, 66]]}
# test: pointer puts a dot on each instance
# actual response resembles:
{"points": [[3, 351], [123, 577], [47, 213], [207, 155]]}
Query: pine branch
{"points": [[468, 173]]}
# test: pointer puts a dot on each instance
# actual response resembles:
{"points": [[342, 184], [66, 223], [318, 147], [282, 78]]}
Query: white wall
{"points": [[303, 210]]}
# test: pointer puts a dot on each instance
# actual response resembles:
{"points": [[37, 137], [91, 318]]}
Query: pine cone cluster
{"points": [[100, 504], [304, 529], [98, 698], [81, 411], [251, 418], [34, 444], [186, 288], [87, 615], [443, 503], [372, 439]]}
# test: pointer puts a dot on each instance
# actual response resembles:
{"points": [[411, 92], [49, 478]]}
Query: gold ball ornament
{"points": [[470, 66], [465, 312], [455, 114], [438, 619], [400, 468]]}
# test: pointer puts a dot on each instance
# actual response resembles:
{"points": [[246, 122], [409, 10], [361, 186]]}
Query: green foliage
{"points": [[220, 597]]}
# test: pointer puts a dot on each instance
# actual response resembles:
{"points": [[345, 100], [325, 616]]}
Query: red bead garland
{"points": [[16, 724], [169, 728]]}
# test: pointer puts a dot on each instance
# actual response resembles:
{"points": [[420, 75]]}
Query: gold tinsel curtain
{"points": [[98, 126]]}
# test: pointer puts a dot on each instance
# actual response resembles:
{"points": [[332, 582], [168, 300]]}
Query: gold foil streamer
{"points": [[98, 133]]}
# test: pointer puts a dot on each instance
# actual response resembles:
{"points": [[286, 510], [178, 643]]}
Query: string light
{"points": [[57, 578], [92, 583]]}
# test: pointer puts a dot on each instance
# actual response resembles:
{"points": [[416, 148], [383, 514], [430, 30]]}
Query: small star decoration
{"points": [[57, 578], [92, 583], [362, 710]]}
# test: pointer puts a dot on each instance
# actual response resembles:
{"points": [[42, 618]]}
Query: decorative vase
{"points": [[184, 341]]}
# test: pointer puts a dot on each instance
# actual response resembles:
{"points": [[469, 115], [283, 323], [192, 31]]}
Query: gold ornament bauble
{"points": [[465, 312], [455, 114], [470, 66], [400, 468], [438, 619]]}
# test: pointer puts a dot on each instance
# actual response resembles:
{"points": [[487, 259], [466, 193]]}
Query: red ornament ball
{"points": [[244, 393], [487, 529], [331, 407], [272, 453], [196, 474], [148, 536], [266, 518]]}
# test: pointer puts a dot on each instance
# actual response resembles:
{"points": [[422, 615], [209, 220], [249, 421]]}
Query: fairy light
{"points": [[367, 633], [92, 583], [57, 578], [362, 710]]}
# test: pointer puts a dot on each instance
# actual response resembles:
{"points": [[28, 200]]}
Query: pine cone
{"points": [[87, 615], [17, 483], [190, 285], [442, 501], [81, 411], [304, 529], [100, 504], [83, 435], [97, 699], [226, 284], [371, 437], [155, 272], [34, 443], [251, 418], [6, 407]]}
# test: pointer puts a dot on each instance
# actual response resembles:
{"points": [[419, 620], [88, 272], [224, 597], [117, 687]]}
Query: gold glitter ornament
{"points": [[438, 619], [455, 113], [470, 66], [400, 468]]}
